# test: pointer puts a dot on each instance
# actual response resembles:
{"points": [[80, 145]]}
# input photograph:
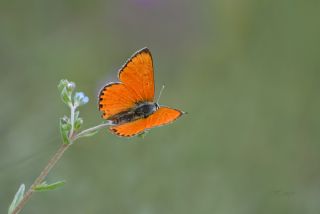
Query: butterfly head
{"points": [[156, 105]]}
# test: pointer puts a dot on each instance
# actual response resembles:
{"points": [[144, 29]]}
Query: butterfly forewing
{"points": [[137, 74], [136, 86], [115, 98]]}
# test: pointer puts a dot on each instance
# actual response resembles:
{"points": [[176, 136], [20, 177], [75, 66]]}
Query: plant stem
{"points": [[72, 109], [55, 158], [90, 130]]}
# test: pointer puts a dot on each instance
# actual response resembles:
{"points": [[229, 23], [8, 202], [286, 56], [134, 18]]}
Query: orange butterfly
{"points": [[129, 104]]}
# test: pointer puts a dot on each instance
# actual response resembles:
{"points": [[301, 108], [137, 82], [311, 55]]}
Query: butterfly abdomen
{"points": [[142, 110]]}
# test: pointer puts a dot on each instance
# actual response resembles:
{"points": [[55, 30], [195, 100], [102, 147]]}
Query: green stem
{"points": [[72, 109], [55, 158], [90, 130]]}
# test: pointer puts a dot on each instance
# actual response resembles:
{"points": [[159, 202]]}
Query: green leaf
{"points": [[78, 123], [17, 198], [62, 84], [47, 187], [65, 84], [66, 89], [66, 96], [64, 130]]}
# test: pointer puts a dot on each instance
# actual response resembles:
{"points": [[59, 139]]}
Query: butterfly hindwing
{"points": [[130, 129], [162, 116]]}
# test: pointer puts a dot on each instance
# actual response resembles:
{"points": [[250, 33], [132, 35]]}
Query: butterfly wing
{"points": [[115, 98], [162, 116], [130, 129], [137, 75], [136, 86]]}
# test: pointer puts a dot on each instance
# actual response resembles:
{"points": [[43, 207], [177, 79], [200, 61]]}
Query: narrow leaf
{"points": [[78, 122], [62, 84], [17, 198], [88, 133], [65, 96], [47, 187], [64, 131]]}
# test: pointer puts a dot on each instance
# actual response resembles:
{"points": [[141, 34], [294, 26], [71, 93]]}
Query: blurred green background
{"points": [[247, 72]]}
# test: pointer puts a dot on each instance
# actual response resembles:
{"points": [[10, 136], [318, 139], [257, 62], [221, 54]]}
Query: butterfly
{"points": [[129, 104]]}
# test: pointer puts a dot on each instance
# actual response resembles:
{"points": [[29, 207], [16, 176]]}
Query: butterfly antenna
{"points": [[163, 86]]}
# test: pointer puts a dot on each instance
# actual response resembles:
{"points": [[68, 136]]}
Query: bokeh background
{"points": [[247, 72]]}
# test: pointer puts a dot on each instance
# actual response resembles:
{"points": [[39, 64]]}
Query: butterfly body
{"points": [[129, 103], [142, 110]]}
